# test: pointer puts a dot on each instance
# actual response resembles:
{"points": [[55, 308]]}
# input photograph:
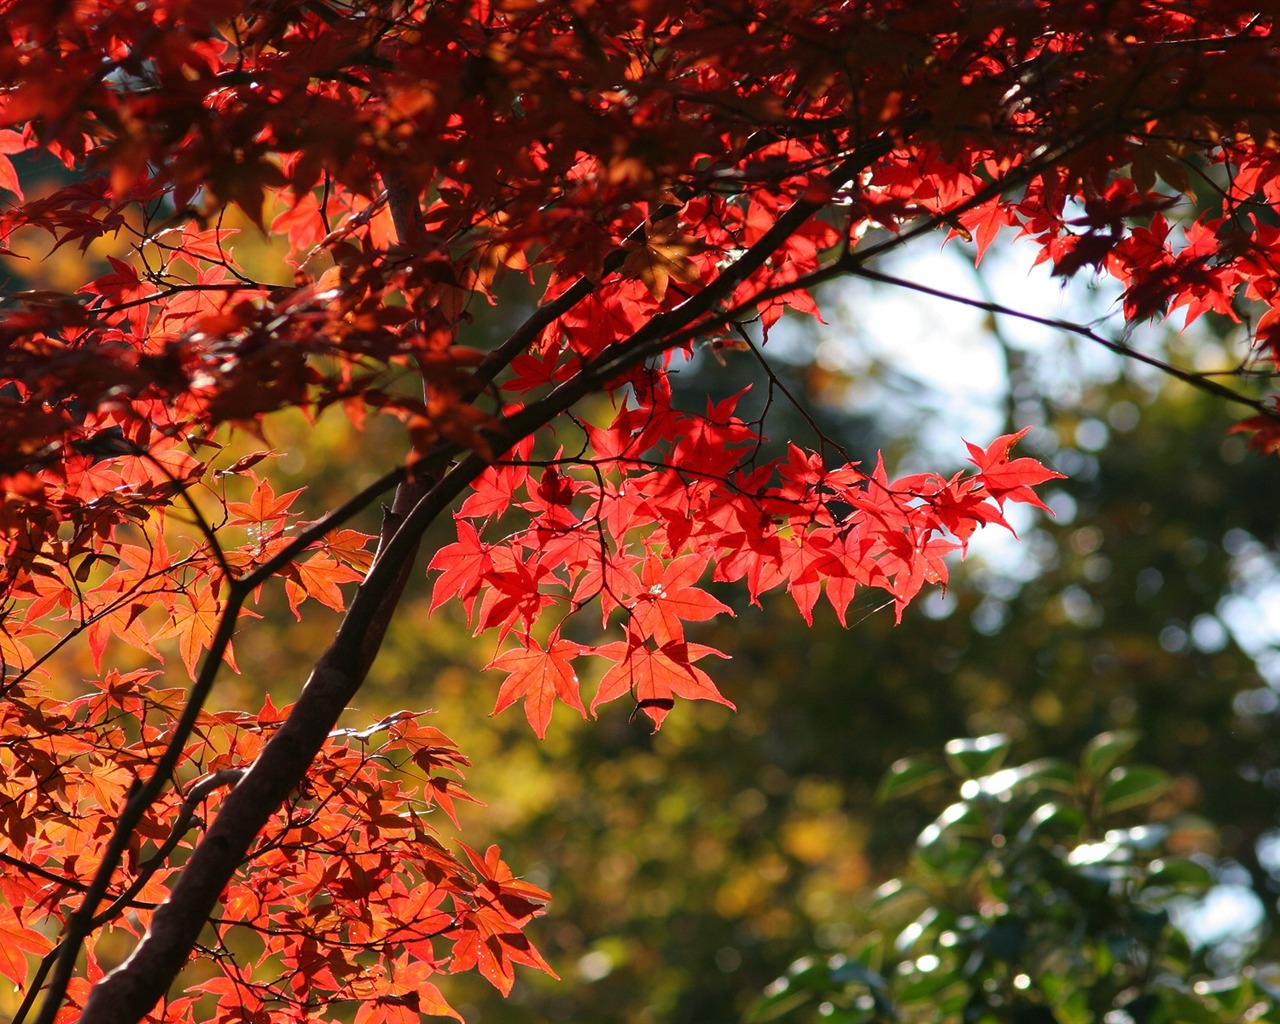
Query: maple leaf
{"points": [[516, 591], [1010, 481], [669, 597], [653, 676], [10, 142], [442, 792], [1265, 431], [15, 942], [535, 370], [400, 995], [662, 257], [516, 900], [193, 621], [488, 938], [494, 491], [318, 577], [539, 677], [264, 507], [807, 561], [463, 566]]}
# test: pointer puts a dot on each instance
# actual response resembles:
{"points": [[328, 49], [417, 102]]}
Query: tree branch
{"points": [[128, 992], [1196, 380]]}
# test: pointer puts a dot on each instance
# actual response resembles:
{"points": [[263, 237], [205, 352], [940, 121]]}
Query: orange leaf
{"points": [[539, 676]]}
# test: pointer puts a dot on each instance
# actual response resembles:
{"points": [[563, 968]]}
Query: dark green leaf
{"points": [[894, 902], [1104, 752], [1005, 938], [1126, 788], [777, 1004], [1178, 873], [805, 980], [977, 756], [909, 775], [1052, 820]]}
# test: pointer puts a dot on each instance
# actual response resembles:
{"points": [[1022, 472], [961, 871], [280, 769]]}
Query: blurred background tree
{"points": [[1044, 893]]}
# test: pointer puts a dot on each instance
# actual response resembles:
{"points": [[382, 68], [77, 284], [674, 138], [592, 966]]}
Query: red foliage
{"points": [[672, 172]]}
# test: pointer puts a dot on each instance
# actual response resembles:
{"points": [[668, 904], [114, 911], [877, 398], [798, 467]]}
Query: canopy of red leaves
{"points": [[674, 176]]}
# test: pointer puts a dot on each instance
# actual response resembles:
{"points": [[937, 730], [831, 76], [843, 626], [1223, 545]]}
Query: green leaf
{"points": [[1050, 773], [960, 819], [1052, 820], [849, 972], [977, 756], [909, 775], [1178, 873], [831, 1014], [915, 985], [1045, 773], [915, 931], [805, 980], [1004, 939], [1126, 788], [844, 972], [894, 902], [949, 863], [808, 973], [1193, 1009], [1141, 837], [1104, 752], [777, 1004]]}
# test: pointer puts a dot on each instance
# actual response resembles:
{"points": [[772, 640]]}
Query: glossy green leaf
{"points": [[909, 775], [977, 756], [777, 1004], [850, 972], [1054, 820], [895, 902], [961, 819], [1126, 788], [1104, 752], [805, 980], [1050, 773]]}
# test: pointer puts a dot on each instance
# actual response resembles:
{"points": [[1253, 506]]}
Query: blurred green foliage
{"points": [[1045, 894]]}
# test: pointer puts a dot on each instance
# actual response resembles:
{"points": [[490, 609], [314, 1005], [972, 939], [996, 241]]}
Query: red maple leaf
{"points": [[1010, 481], [1265, 431], [654, 676], [539, 677], [264, 507], [488, 935], [669, 597], [400, 995], [463, 566]]}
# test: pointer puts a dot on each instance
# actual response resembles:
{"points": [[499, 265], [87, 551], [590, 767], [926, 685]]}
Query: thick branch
{"points": [[128, 992], [141, 797]]}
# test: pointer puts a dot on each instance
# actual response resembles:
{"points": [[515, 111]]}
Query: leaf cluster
{"points": [[1046, 894]]}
